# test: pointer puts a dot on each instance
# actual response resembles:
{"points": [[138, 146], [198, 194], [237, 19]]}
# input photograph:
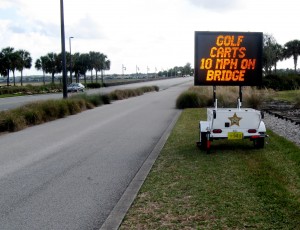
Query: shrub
{"points": [[63, 109], [33, 115], [281, 82], [188, 99], [12, 121], [94, 85], [126, 93], [75, 105], [94, 99], [105, 99]]}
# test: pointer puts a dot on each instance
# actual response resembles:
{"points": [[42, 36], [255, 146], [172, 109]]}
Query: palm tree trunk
{"points": [[52, 78], [44, 77], [295, 63], [7, 81], [14, 77], [21, 78]]}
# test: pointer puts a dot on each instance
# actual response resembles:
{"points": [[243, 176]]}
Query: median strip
{"points": [[43, 111]]}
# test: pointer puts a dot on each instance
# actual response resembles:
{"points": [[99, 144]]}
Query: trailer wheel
{"points": [[205, 143], [259, 143]]}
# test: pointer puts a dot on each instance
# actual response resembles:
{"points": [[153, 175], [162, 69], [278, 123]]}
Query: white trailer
{"points": [[232, 124]]}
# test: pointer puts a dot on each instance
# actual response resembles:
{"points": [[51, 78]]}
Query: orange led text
{"points": [[227, 60]]}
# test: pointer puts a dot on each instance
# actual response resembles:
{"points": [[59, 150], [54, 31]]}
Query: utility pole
{"points": [[63, 50]]}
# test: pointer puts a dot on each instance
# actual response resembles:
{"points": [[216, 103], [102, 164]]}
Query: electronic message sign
{"points": [[228, 58]]}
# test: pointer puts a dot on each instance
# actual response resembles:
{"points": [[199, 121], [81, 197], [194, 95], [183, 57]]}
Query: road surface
{"points": [[70, 173]]}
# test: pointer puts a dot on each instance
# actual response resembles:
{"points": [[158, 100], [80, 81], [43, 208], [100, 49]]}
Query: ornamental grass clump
{"points": [[127, 93], [297, 104], [12, 121], [255, 98], [227, 97], [188, 99]]}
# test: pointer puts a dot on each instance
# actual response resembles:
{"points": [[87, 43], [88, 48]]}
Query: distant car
{"points": [[75, 87]]}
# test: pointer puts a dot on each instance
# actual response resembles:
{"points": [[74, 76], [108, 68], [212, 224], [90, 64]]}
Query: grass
{"points": [[235, 187], [288, 95], [11, 95]]}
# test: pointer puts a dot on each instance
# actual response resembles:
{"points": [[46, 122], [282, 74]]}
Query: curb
{"points": [[118, 213]]}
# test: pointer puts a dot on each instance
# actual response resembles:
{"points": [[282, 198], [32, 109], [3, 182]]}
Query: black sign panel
{"points": [[228, 58]]}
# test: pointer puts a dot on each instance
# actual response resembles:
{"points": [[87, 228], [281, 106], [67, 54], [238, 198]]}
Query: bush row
{"points": [[126, 93], [30, 89], [94, 85], [281, 82], [43, 111]]}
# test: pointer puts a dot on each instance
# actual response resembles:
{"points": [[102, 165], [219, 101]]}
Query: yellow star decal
{"points": [[235, 120]]}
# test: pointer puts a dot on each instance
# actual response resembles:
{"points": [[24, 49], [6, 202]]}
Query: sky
{"points": [[153, 34]]}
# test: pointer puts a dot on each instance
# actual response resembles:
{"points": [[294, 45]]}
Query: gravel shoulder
{"points": [[284, 128]]}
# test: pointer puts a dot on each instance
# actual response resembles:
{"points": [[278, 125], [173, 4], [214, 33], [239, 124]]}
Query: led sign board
{"points": [[228, 58]]}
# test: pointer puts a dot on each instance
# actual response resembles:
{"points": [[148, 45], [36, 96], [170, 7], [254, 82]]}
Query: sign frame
{"points": [[228, 58]]}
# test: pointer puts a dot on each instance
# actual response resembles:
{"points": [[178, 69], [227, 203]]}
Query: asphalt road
{"points": [[70, 173]]}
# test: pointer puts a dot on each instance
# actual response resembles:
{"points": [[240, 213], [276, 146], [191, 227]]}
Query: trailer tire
{"points": [[259, 143], [205, 145], [203, 141]]}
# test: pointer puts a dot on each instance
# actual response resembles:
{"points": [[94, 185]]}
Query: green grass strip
{"points": [[234, 187]]}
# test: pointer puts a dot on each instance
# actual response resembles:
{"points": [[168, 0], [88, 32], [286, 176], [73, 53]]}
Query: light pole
{"points": [[70, 59], [63, 50], [123, 68], [137, 71]]}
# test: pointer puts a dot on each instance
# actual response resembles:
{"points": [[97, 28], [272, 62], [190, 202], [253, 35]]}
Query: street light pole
{"points": [[63, 50], [70, 59]]}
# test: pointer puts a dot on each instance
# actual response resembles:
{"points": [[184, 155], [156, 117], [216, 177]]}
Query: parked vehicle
{"points": [[75, 87]]}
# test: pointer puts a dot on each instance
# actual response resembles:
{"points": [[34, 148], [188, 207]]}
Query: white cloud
{"points": [[215, 5], [154, 33]]}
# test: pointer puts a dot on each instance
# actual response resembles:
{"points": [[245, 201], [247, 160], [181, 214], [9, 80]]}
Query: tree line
{"points": [[274, 52], [12, 60], [177, 71]]}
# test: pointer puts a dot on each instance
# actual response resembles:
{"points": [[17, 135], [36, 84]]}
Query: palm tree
{"points": [[6, 61], [81, 64], [106, 67], [272, 53], [292, 49], [24, 61], [2, 65], [15, 60], [278, 51], [40, 64], [93, 62], [75, 67], [53, 64], [98, 63]]}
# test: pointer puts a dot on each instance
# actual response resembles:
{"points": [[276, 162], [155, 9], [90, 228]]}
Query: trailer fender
{"points": [[203, 126], [262, 127]]}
